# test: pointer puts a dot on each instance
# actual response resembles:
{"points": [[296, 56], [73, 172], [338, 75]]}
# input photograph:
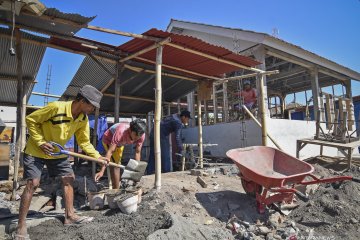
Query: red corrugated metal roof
{"points": [[189, 61]]}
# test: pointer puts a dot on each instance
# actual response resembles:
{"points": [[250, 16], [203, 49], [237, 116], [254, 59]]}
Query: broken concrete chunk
{"points": [[38, 202], [209, 222], [202, 182], [354, 220], [264, 230]]}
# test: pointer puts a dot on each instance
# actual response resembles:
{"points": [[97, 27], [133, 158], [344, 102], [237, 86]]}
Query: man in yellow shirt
{"points": [[57, 122]]}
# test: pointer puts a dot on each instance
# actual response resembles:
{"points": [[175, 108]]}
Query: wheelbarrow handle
{"points": [[356, 179], [62, 151]]}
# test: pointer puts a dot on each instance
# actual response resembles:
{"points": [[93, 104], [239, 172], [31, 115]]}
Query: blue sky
{"points": [[330, 28]]}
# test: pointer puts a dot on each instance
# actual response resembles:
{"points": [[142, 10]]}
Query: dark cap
{"points": [[185, 113], [91, 94]]}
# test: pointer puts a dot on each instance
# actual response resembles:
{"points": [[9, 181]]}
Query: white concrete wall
{"points": [[8, 115], [285, 132]]}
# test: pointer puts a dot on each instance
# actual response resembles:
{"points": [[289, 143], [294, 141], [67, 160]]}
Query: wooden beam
{"points": [[142, 84], [46, 95], [315, 92], [245, 76], [137, 69], [145, 50], [127, 34], [101, 65], [214, 58], [179, 69], [200, 134], [117, 92]]}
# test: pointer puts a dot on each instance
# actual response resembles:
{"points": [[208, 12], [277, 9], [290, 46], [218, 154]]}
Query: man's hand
{"points": [[107, 160], [98, 176], [47, 148]]}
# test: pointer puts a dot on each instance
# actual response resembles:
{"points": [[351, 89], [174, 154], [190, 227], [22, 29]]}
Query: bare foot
{"points": [[77, 220], [21, 234]]}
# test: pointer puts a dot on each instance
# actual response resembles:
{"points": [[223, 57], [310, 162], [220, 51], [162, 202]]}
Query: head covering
{"points": [[91, 94], [185, 113], [247, 82]]}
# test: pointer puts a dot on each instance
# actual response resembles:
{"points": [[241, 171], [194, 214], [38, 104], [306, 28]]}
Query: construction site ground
{"points": [[183, 209]]}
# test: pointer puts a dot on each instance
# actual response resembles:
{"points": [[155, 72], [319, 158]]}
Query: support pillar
{"points": [[94, 140], [215, 104], [225, 103], [158, 100], [190, 108], [200, 134], [260, 55], [263, 110], [315, 91], [19, 100]]}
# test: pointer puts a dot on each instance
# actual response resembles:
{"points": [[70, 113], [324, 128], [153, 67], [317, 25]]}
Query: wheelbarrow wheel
{"points": [[251, 188]]}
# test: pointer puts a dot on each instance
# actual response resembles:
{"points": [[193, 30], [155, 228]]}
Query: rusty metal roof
{"points": [[142, 84], [189, 61], [32, 57]]}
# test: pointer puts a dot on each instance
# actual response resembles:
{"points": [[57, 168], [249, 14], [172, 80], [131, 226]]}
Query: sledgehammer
{"points": [[134, 169]]}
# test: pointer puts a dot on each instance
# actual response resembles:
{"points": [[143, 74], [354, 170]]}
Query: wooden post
{"points": [[96, 122], [263, 111], [225, 103], [147, 134], [329, 111], [315, 91], [158, 100], [23, 124], [349, 105], [170, 139], [117, 93], [20, 95], [178, 106], [190, 107], [200, 133], [206, 112], [215, 104]]}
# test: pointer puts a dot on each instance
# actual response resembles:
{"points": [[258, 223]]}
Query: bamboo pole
{"points": [[180, 69], [117, 93], [267, 73], [262, 112], [259, 124], [20, 95], [46, 95], [214, 58], [200, 136], [158, 99], [127, 34], [137, 69], [96, 122], [147, 49]]}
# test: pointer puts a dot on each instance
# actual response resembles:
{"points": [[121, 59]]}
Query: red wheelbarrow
{"points": [[265, 170]]}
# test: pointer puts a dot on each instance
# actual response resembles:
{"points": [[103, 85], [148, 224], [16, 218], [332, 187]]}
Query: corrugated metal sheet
{"points": [[47, 26], [143, 84], [185, 60], [73, 17], [32, 57], [91, 73]]}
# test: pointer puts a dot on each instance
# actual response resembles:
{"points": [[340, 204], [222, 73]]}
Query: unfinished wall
{"points": [[285, 132]]}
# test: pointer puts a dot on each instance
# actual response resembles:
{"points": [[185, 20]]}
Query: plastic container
{"points": [[127, 203], [96, 200]]}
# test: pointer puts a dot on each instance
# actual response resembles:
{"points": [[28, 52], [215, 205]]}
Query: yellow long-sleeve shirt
{"points": [[55, 122]]}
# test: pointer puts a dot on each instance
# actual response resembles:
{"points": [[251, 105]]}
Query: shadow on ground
{"points": [[225, 204]]}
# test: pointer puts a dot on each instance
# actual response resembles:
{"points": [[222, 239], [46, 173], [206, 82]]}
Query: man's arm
{"points": [[83, 139], [138, 153]]}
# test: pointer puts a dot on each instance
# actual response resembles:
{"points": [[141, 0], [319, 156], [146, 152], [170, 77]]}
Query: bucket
{"points": [[96, 200], [137, 191], [110, 197], [127, 203]]}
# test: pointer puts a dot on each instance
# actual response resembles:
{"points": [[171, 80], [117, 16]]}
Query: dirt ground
{"points": [[182, 209]]}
